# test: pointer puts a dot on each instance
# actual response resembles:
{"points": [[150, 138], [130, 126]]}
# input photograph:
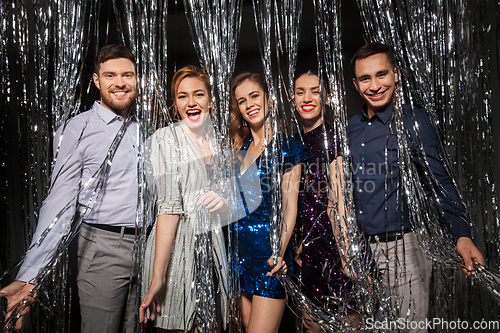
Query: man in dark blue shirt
{"points": [[381, 207]]}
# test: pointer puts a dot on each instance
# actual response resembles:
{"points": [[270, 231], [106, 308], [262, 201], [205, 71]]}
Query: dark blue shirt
{"points": [[368, 138]]}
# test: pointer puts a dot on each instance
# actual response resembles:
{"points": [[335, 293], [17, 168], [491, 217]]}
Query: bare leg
{"points": [[261, 314]]}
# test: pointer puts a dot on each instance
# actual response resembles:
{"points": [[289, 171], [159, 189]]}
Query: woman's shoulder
{"points": [[167, 132], [285, 139], [168, 135], [291, 147]]}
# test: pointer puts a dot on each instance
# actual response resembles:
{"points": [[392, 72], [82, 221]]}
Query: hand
{"points": [[469, 252], [212, 201], [296, 256], [16, 292], [281, 265], [151, 300]]}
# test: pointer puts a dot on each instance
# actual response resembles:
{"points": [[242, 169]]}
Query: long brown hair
{"points": [[239, 133], [181, 74]]}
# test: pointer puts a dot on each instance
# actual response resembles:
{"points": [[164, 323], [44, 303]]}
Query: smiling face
{"points": [[192, 102], [117, 83], [308, 100], [375, 79], [252, 103]]}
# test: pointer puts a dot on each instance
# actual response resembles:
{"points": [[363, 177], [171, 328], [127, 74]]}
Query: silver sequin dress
{"points": [[180, 177]]}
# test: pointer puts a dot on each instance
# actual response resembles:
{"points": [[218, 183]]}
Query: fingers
{"points": [[15, 293], [477, 256], [202, 199], [145, 306], [270, 262], [212, 201], [470, 254], [280, 266]]}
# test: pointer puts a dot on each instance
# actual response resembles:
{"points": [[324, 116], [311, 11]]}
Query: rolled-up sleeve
{"points": [[165, 163]]}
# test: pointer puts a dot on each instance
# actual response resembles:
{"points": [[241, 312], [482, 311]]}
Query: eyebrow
{"points": [[366, 76], [194, 92], [312, 88], [114, 73], [361, 77]]}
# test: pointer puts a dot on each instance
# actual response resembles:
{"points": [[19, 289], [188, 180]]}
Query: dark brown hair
{"points": [[307, 72], [238, 133], [370, 49], [189, 71], [113, 51]]}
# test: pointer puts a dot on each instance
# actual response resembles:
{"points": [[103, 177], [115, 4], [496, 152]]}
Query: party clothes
{"points": [[321, 271], [180, 176], [403, 267], [84, 146], [368, 138], [253, 229]]}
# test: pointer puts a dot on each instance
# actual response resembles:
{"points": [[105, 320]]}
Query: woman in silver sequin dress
{"points": [[186, 245]]}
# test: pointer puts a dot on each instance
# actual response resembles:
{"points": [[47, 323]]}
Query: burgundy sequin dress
{"points": [[321, 272]]}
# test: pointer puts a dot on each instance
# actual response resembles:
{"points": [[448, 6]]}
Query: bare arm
{"points": [[290, 198], [166, 227], [337, 211]]}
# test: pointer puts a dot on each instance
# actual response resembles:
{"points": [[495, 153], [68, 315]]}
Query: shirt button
{"points": [[369, 123], [360, 212], [363, 144], [360, 167], [360, 190]]}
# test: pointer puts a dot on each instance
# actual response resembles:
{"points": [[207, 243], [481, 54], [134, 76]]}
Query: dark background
{"points": [[181, 52]]}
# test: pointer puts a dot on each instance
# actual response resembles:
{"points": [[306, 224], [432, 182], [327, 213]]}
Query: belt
{"points": [[389, 236], [114, 228]]}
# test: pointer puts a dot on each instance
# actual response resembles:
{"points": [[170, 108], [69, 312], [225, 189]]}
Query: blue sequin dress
{"points": [[253, 228]]}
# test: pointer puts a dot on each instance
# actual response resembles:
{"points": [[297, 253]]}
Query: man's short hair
{"points": [[370, 49], [113, 51]]}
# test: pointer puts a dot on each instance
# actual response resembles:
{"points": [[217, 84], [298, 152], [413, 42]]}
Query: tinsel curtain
{"points": [[442, 48], [47, 62], [42, 58], [215, 31]]}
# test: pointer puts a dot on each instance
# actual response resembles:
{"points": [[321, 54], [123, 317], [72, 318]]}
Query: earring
{"points": [[245, 124]]}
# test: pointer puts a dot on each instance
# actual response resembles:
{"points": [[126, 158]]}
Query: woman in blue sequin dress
{"points": [[262, 296], [322, 272]]}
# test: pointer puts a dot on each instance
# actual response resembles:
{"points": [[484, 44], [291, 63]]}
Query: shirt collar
{"points": [[107, 115], [384, 115]]}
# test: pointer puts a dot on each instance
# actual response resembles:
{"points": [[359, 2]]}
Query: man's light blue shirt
{"points": [[84, 145]]}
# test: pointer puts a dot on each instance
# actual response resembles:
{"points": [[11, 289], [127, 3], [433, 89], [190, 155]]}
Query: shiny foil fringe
{"points": [[215, 29], [442, 49], [33, 94]]}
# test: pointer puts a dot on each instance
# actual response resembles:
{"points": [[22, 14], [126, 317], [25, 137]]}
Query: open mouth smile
{"points": [[377, 96], [193, 114], [308, 107], [120, 93], [253, 113]]}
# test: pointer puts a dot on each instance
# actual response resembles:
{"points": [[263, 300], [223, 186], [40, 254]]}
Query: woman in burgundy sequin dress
{"points": [[324, 281]]}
